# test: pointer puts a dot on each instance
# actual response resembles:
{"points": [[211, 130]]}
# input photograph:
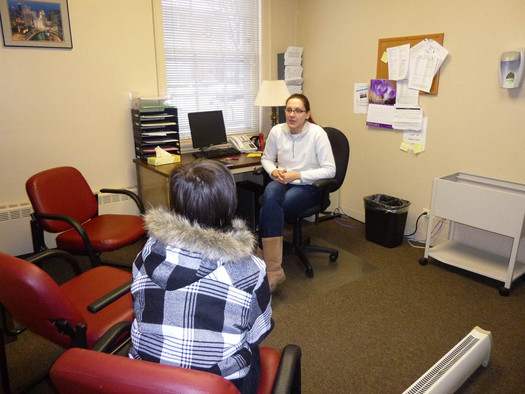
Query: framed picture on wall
{"points": [[41, 24]]}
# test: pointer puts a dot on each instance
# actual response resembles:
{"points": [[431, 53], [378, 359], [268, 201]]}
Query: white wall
{"points": [[70, 106], [473, 125]]}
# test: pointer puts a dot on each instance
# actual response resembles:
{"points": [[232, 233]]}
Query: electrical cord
{"points": [[417, 221], [344, 218], [434, 233]]}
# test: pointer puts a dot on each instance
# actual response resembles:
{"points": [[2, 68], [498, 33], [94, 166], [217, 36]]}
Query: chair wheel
{"points": [[423, 261], [334, 256]]}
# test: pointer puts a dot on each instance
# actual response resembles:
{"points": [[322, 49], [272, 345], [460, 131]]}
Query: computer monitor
{"points": [[207, 128]]}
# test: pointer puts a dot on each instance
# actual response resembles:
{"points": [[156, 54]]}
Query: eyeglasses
{"points": [[294, 111]]}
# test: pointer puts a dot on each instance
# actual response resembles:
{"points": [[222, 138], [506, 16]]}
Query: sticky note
{"points": [[418, 148], [253, 155], [405, 146], [384, 58]]}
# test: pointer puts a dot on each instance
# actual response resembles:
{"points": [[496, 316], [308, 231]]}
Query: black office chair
{"points": [[300, 247]]}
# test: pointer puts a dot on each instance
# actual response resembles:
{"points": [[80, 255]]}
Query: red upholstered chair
{"points": [[93, 310], [64, 203], [87, 372]]}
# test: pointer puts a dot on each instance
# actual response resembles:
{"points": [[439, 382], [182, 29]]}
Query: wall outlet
{"points": [[426, 210]]}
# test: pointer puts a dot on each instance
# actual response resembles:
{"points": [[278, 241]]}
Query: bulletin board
{"points": [[384, 43]]}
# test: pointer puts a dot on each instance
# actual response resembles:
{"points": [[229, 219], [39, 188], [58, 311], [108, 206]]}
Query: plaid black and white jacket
{"points": [[201, 298]]}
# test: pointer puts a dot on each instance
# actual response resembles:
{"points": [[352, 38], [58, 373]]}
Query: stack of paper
{"points": [[418, 64], [293, 69]]}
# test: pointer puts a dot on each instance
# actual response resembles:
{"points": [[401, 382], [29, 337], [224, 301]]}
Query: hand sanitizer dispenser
{"points": [[511, 69]]}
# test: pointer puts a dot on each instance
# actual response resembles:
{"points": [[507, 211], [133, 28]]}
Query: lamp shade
{"points": [[272, 94]]}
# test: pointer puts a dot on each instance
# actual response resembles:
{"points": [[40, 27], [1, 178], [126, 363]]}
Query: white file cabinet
{"points": [[489, 204]]}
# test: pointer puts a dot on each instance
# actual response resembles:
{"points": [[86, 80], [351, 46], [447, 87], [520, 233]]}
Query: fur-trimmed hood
{"points": [[172, 229]]}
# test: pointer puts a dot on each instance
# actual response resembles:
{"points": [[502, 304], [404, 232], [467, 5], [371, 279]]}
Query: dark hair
{"points": [[305, 101], [204, 192]]}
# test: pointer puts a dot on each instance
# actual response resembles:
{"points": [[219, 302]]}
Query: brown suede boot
{"points": [[273, 257]]}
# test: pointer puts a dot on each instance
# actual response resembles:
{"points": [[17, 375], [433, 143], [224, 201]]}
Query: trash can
{"points": [[385, 219]]}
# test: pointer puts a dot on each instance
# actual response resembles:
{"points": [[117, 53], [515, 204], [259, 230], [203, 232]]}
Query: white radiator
{"points": [[449, 373], [15, 230]]}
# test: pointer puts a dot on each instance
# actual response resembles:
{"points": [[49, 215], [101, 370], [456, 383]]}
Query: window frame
{"points": [[251, 113]]}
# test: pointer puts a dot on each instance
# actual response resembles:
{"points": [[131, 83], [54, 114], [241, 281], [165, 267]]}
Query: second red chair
{"points": [[64, 203]]}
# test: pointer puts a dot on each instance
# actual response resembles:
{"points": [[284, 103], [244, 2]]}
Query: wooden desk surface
{"points": [[243, 163]]}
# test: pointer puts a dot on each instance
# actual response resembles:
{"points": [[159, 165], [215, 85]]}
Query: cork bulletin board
{"points": [[384, 43]]}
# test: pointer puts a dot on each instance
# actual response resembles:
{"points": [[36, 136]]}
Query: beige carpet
{"points": [[372, 322], [328, 276]]}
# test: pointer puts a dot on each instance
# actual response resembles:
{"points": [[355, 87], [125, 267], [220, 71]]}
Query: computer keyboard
{"points": [[215, 153]]}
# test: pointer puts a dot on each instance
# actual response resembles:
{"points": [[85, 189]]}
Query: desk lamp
{"points": [[272, 94]]}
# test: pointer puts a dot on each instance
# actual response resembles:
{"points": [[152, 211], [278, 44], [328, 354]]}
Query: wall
{"points": [[70, 106], [279, 30], [473, 125]]}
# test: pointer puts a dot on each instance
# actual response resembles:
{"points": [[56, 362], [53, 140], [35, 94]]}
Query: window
{"points": [[212, 60]]}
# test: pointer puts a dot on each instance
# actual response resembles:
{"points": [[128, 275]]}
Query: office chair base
{"points": [[304, 248]]}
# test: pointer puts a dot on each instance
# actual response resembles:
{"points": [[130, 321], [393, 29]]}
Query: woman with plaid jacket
{"points": [[201, 298]]}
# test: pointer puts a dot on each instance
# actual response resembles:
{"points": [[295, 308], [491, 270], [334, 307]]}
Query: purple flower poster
{"points": [[381, 103]]}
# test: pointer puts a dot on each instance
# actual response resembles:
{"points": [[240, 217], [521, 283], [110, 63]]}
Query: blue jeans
{"points": [[282, 201]]}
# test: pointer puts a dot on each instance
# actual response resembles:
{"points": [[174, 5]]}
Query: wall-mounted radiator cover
{"points": [[449, 373], [15, 230]]}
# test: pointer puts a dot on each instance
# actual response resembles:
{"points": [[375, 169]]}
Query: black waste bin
{"points": [[385, 219]]}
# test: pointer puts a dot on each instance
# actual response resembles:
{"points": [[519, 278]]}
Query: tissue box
{"points": [[158, 161]]}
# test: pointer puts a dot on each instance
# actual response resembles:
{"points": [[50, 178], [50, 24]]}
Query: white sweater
{"points": [[308, 153]]}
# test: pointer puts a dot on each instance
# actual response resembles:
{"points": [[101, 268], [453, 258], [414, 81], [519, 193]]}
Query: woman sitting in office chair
{"points": [[201, 298], [296, 154]]}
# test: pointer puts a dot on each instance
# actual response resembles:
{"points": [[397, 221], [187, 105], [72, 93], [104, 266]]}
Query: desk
{"points": [[153, 181]]}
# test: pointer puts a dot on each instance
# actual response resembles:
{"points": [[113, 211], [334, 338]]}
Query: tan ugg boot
{"points": [[273, 257]]}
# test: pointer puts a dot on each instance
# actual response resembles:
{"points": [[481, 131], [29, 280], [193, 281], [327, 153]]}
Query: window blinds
{"points": [[212, 60]]}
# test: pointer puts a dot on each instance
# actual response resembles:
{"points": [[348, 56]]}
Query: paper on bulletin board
{"points": [[383, 60], [415, 140], [425, 60], [382, 97], [398, 60], [360, 98], [405, 95]]}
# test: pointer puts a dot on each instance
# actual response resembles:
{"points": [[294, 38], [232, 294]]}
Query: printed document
{"points": [[426, 58], [398, 60], [407, 117], [360, 98]]}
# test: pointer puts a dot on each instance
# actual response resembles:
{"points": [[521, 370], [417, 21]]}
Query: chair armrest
{"points": [[262, 172], [130, 194], [109, 298], [258, 171], [39, 258], [117, 333], [288, 379], [76, 225], [325, 185]]}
